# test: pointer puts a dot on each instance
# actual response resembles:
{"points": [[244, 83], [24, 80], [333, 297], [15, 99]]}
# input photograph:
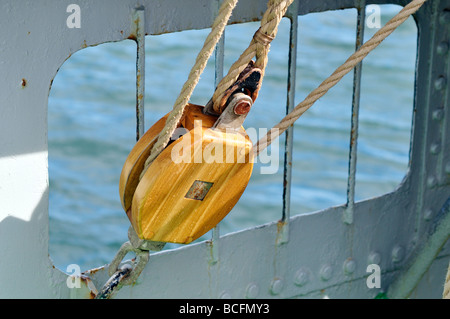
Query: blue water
{"points": [[92, 126]]}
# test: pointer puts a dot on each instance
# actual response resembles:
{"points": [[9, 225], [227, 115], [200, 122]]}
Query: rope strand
{"points": [[258, 47], [194, 76], [337, 75]]}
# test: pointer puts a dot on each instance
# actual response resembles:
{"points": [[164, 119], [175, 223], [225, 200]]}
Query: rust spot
{"points": [[280, 225], [24, 83], [242, 108], [91, 271], [121, 32], [132, 37], [29, 32], [84, 44]]}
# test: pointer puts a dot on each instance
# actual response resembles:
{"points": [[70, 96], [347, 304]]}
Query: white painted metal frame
{"points": [[311, 255]]}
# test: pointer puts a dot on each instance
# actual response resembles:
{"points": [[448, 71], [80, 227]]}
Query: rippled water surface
{"points": [[92, 126]]}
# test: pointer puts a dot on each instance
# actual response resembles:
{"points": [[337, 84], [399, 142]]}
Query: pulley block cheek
{"points": [[192, 184], [135, 163]]}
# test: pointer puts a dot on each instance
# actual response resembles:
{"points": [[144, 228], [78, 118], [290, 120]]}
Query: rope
{"points": [[258, 47], [337, 75], [446, 294], [174, 117]]}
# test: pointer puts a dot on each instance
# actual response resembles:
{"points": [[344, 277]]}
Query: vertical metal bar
{"points": [[140, 71], [348, 212], [283, 233], [219, 55]]}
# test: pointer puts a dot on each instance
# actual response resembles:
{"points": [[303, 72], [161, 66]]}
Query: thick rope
{"points": [[340, 72], [175, 115], [258, 47], [446, 294]]}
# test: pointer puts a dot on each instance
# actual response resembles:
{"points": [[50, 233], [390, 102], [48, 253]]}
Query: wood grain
{"points": [[156, 205], [134, 164], [160, 210]]}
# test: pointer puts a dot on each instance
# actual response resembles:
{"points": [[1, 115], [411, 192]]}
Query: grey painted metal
{"points": [[404, 285], [323, 257], [140, 71], [289, 142], [361, 21], [219, 57]]}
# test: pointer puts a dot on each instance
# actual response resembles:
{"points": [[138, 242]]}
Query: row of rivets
{"points": [[303, 275], [439, 84]]}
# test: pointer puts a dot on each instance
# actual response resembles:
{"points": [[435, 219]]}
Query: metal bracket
{"points": [[248, 82]]}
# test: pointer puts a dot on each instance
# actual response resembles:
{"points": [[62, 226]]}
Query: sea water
{"points": [[92, 126]]}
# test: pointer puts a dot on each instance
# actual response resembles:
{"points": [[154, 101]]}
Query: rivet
{"points": [[349, 266], [442, 48], [326, 272], [252, 291], [225, 295], [301, 277], [397, 253], [440, 83], [431, 181], [427, 214], [438, 115], [374, 258], [414, 240], [276, 286], [435, 148], [445, 17]]}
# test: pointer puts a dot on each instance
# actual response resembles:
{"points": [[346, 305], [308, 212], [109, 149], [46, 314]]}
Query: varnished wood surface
{"points": [[159, 209], [134, 164]]}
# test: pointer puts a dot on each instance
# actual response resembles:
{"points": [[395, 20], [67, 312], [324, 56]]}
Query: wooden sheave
{"points": [[192, 185]]}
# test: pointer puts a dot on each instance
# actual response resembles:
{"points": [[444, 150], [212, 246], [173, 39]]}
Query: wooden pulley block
{"points": [[192, 184]]}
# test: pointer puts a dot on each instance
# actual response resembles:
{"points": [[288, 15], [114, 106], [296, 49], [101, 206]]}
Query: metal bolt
{"points": [[431, 181], [225, 295], [445, 17], [301, 277], [438, 114], [447, 168], [326, 272], [276, 286], [241, 103], [252, 291], [442, 48], [427, 214], [440, 83], [349, 266], [414, 240], [435, 148], [242, 108], [374, 258], [397, 253]]}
